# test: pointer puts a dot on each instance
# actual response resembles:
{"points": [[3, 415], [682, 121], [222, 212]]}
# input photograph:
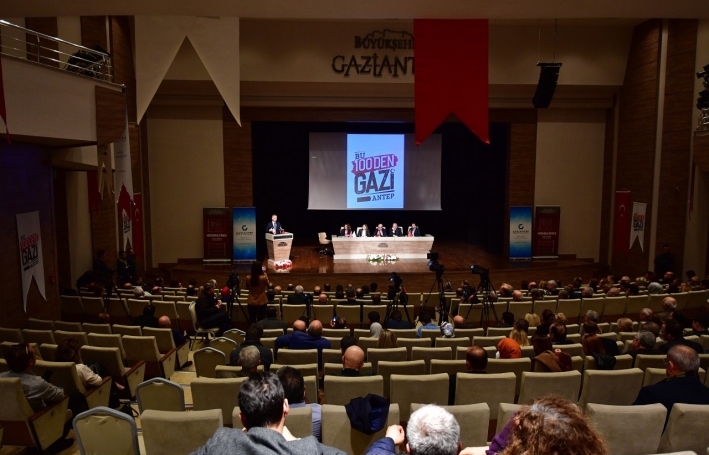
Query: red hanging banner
{"points": [[547, 221], [451, 74], [622, 222]]}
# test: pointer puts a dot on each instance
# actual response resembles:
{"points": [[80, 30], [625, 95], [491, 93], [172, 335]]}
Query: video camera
{"points": [[397, 280], [433, 264], [234, 280]]}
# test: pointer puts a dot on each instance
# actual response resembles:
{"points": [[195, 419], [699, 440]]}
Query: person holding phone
{"points": [[257, 299]]}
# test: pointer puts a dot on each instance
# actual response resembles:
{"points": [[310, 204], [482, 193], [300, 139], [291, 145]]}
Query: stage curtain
{"points": [[451, 74]]}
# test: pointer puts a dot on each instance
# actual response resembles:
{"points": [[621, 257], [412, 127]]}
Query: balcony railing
{"points": [[55, 52]]}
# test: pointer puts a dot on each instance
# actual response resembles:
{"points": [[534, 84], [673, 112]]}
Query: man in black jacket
{"points": [[208, 310], [253, 338], [673, 333]]}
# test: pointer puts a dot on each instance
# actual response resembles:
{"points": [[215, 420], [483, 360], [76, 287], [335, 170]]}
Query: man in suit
{"points": [[682, 384], [364, 232], [274, 227], [272, 321], [253, 338], [414, 231], [263, 409], [298, 296], [381, 231], [396, 231], [673, 333]]}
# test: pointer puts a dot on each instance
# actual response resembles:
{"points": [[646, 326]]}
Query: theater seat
{"points": [[337, 431], [169, 433], [617, 423], [686, 429]]}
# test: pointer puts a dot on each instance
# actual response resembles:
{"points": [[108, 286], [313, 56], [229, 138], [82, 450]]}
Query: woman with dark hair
{"points": [[257, 299], [541, 343], [548, 426], [590, 341], [346, 231]]}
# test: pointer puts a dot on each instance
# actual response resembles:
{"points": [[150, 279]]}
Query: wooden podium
{"points": [[278, 247]]}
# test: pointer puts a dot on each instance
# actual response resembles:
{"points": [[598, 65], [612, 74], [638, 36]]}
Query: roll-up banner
{"points": [[217, 233], [546, 232], [520, 232], [244, 248], [29, 236], [638, 229]]}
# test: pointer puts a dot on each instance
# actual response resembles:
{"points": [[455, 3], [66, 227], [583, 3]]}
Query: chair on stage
{"points": [[322, 238]]}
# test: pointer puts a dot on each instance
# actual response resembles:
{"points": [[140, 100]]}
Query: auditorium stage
{"points": [[310, 268]]}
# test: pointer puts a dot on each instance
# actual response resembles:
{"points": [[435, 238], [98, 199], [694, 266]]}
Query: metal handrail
{"points": [[100, 68]]}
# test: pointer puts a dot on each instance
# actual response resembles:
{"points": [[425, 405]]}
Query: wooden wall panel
{"points": [[637, 125], [93, 31], [145, 173], [607, 185], [521, 168], [122, 58], [110, 115], [47, 48], [103, 229], [676, 137], [238, 162], [26, 186], [62, 228]]}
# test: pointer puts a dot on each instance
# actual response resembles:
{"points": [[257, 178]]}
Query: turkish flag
{"points": [[451, 74], [622, 222]]}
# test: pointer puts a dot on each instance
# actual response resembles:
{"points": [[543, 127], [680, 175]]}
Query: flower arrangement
{"points": [[382, 258], [283, 265]]}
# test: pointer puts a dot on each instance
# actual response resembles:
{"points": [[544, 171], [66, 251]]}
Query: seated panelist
{"points": [[347, 231], [414, 231], [380, 231], [396, 231], [364, 232]]}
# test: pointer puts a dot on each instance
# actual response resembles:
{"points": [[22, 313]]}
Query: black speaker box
{"points": [[548, 76]]}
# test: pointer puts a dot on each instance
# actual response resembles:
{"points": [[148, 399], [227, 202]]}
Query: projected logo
{"points": [[376, 171]]}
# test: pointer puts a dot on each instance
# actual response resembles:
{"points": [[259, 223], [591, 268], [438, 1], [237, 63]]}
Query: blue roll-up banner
{"points": [[244, 229], [520, 232]]}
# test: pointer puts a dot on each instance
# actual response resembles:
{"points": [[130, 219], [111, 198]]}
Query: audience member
{"points": [[208, 310], [673, 333], [541, 343], [519, 332], [532, 319], [177, 336], [508, 320], [682, 384], [338, 323], [352, 361], [517, 296], [644, 316], [322, 299], [426, 323], [557, 334], [263, 410], [298, 297], [508, 348], [104, 318], [553, 360], [147, 319], [300, 340], [294, 389], [395, 321], [249, 360], [374, 326], [253, 338], [548, 426], [257, 300], [700, 326], [644, 343], [272, 321], [387, 340], [669, 304]]}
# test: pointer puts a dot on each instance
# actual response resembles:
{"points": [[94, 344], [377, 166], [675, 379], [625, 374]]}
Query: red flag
{"points": [[451, 74], [3, 111], [622, 222]]}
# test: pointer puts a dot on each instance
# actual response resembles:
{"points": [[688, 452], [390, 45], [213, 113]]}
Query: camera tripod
{"points": [[235, 282], [484, 288], [393, 306], [443, 308]]}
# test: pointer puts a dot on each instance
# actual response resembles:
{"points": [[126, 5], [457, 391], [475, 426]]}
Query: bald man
{"points": [[322, 299], [459, 322], [177, 336], [352, 361], [301, 340]]}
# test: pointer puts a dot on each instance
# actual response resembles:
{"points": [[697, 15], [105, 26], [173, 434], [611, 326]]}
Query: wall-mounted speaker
{"points": [[548, 76]]}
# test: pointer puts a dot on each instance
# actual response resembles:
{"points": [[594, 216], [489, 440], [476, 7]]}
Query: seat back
{"points": [[161, 395], [571, 308], [96, 328], [132, 330], [38, 336], [39, 324], [68, 326], [643, 361], [487, 341], [516, 366], [340, 390], [426, 354], [79, 337], [406, 389], [224, 345], [273, 333], [404, 333], [297, 356], [573, 350], [539, 307], [112, 360], [622, 362], [615, 423], [366, 344], [310, 369], [106, 431], [140, 348], [591, 303], [385, 369], [71, 305], [338, 333], [473, 420], [375, 355], [504, 414], [135, 306], [93, 306], [290, 313], [491, 389], [223, 394], [351, 313], [686, 429], [615, 387], [163, 337], [452, 343], [11, 335], [519, 309], [206, 361], [165, 308], [410, 343], [63, 375], [450, 367], [564, 384], [498, 331], [107, 341], [431, 334], [337, 431], [381, 309], [187, 430]]}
